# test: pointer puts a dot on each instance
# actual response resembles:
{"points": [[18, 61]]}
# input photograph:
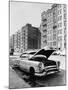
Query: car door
{"points": [[24, 65]]}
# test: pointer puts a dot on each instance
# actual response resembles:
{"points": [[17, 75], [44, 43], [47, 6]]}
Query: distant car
{"points": [[63, 52], [57, 52], [11, 51], [39, 64]]}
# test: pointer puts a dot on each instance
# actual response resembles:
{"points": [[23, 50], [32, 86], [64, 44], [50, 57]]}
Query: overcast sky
{"points": [[23, 12]]}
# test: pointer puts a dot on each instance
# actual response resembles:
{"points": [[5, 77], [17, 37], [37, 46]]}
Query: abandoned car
{"points": [[39, 64]]}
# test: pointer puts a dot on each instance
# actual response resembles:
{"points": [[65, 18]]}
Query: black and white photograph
{"points": [[37, 44]]}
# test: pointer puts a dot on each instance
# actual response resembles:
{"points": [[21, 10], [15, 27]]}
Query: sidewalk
{"points": [[15, 82]]}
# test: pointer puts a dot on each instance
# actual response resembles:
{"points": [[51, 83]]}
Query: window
{"points": [[54, 36], [64, 16], [51, 38], [54, 43], [59, 24], [59, 5], [44, 20], [64, 8], [47, 43], [50, 43], [64, 30], [45, 36], [60, 31], [60, 17], [44, 25], [64, 23], [59, 38], [50, 31], [54, 31], [45, 30], [60, 11], [54, 27], [44, 41]]}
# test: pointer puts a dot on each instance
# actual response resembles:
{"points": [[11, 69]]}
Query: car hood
{"points": [[47, 53]]}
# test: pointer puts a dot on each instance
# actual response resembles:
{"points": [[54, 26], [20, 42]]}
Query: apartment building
{"points": [[16, 42], [11, 42], [28, 37], [56, 26]]}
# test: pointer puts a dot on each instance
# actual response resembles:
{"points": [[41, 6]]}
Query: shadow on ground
{"points": [[57, 79]]}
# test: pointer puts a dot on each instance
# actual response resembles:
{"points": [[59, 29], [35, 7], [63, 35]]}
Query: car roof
{"points": [[30, 51]]}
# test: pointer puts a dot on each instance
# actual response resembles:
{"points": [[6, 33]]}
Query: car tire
{"points": [[32, 71]]}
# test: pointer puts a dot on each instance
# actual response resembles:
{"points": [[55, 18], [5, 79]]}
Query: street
{"points": [[19, 79]]}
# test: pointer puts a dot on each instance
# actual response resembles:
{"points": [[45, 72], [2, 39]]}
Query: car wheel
{"points": [[32, 71]]}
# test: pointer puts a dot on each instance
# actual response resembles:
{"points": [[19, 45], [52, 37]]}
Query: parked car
{"points": [[57, 52], [63, 53], [39, 64]]}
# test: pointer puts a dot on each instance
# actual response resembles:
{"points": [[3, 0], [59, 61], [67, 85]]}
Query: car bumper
{"points": [[45, 73], [40, 74]]}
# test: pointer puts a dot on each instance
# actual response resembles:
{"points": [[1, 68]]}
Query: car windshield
{"points": [[28, 53], [32, 52], [40, 59], [24, 55]]}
